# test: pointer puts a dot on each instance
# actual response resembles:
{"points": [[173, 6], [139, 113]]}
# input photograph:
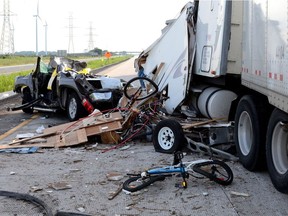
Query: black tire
{"points": [[217, 171], [136, 183], [74, 107], [38, 204], [151, 86], [276, 150], [250, 128], [28, 110], [25, 99], [168, 136]]}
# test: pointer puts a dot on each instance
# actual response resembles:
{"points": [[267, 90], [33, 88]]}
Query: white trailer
{"points": [[229, 59]]}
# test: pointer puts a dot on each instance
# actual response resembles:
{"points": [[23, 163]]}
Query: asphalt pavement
{"points": [[7, 94], [85, 169]]}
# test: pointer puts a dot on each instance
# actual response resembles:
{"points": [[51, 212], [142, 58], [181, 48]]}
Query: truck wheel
{"points": [[277, 150], [168, 136], [250, 130], [74, 107]]}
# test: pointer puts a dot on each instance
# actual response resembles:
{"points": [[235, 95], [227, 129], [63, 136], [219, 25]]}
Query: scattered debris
{"points": [[27, 150], [40, 129], [114, 176], [80, 209], [133, 119], [60, 186], [74, 170], [234, 193], [125, 147], [205, 193], [23, 136], [35, 189], [113, 194]]}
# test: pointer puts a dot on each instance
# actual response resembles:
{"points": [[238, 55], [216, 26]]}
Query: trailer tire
{"points": [[250, 130], [276, 150], [168, 136]]}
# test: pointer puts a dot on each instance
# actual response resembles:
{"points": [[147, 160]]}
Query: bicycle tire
{"points": [[214, 174], [154, 88], [128, 185]]}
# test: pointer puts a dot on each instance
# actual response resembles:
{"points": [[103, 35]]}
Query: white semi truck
{"points": [[229, 59]]}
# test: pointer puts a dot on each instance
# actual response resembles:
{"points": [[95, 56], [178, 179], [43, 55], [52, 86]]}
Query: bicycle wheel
{"points": [[217, 171], [133, 89], [136, 183]]}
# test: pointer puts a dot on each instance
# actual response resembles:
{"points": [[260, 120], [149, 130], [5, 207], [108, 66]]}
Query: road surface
{"points": [[83, 174], [17, 68]]}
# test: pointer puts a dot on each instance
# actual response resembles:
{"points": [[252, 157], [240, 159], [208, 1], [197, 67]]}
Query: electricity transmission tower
{"points": [[71, 36], [91, 41], [7, 35]]}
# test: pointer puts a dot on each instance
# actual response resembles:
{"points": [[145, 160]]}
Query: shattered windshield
{"points": [[43, 67]]}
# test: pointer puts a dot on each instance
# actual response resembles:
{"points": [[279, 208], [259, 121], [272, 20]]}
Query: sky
{"points": [[115, 25]]}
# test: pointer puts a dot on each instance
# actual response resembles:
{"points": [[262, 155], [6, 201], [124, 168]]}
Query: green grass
{"points": [[7, 81], [104, 62], [6, 60]]}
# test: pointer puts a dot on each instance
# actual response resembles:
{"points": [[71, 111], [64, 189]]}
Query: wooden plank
{"points": [[187, 126], [88, 121], [104, 127], [106, 123], [108, 117], [31, 138], [61, 127], [74, 138], [110, 137]]}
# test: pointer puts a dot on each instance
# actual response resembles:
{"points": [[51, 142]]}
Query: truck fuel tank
{"points": [[215, 102]]}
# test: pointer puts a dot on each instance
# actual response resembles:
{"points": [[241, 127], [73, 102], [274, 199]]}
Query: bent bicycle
{"points": [[215, 170]]}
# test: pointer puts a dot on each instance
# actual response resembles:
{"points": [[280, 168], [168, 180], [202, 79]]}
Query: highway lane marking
{"points": [[8, 133]]}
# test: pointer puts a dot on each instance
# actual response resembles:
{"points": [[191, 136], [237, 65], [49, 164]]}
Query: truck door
{"points": [[213, 32]]}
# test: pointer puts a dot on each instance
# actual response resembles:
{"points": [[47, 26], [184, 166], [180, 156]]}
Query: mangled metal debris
{"points": [[146, 108], [140, 119]]}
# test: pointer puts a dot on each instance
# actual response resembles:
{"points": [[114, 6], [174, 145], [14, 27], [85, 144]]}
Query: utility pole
{"points": [[7, 36]]}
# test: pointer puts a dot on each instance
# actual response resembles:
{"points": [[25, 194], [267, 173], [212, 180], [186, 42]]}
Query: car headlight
{"points": [[100, 96]]}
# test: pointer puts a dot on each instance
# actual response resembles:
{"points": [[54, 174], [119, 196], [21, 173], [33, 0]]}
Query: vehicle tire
{"points": [[136, 183], [168, 136], [277, 149], [25, 99], [250, 129], [74, 107], [151, 88], [217, 171]]}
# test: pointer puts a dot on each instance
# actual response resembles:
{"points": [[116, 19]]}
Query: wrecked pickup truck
{"points": [[67, 85]]}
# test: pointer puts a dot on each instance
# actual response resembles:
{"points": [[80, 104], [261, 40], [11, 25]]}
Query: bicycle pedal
{"points": [[181, 185], [184, 184]]}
